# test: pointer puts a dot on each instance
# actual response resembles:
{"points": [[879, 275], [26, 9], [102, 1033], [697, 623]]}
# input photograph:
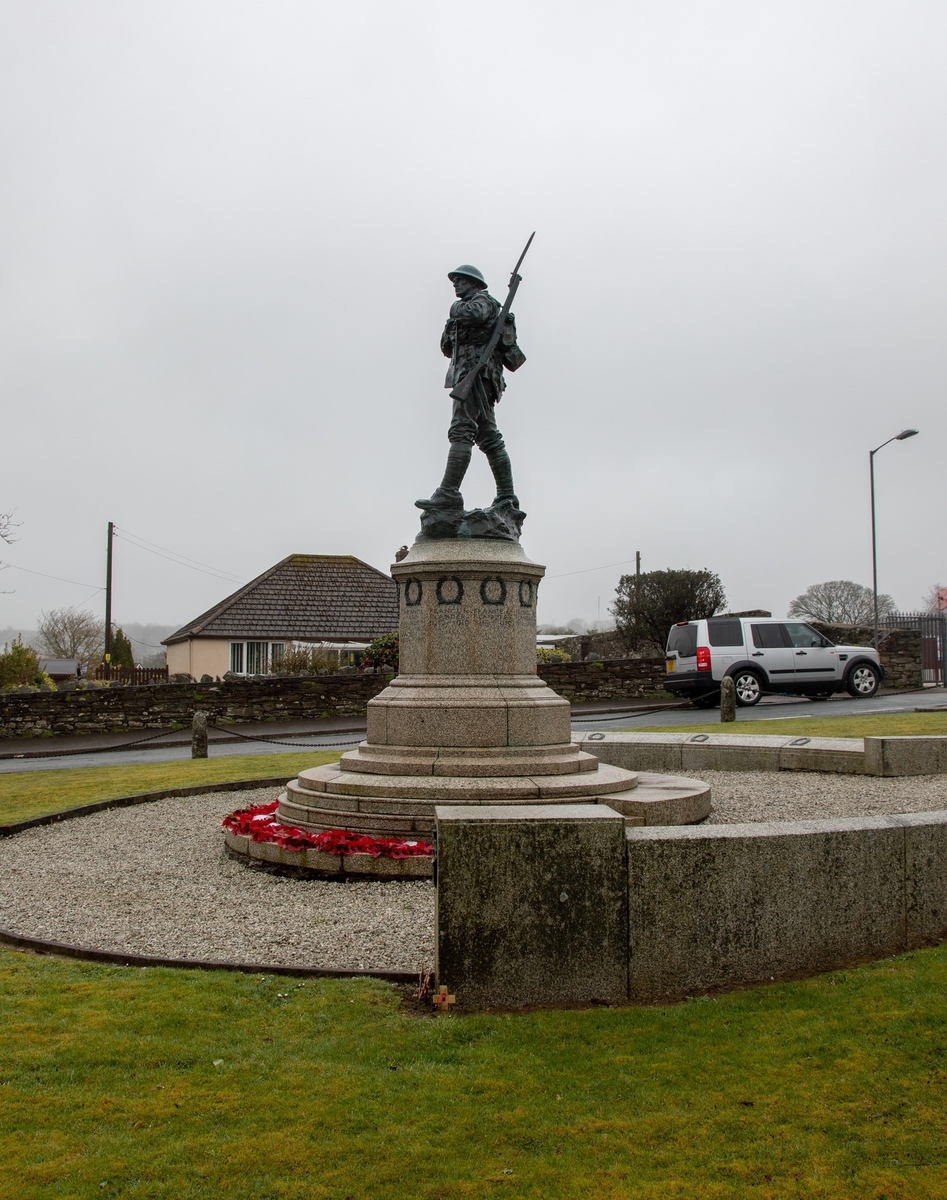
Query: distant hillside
{"points": [[148, 637], [10, 635], [145, 640]]}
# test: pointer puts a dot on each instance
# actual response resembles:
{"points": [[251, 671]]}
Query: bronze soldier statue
{"points": [[471, 327]]}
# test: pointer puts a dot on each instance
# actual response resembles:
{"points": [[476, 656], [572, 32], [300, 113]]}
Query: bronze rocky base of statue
{"points": [[503, 521]]}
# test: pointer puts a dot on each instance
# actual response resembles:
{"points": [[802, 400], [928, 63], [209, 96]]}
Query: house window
{"points": [[257, 658]]}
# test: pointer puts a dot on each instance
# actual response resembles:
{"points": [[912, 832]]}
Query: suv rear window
{"points": [[727, 632], [683, 639]]}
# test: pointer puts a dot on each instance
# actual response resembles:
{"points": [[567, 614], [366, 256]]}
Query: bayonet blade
{"points": [[523, 255]]}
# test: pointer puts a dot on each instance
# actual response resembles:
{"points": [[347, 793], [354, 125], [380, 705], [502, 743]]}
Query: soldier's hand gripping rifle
{"points": [[464, 388]]}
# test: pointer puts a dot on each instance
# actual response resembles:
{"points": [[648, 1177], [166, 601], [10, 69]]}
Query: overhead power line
{"points": [[179, 560], [58, 578], [589, 570], [185, 557], [139, 642]]}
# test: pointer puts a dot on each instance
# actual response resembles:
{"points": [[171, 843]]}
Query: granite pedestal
{"points": [[467, 720]]}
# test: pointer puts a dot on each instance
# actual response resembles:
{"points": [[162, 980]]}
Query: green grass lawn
{"points": [[35, 793], [870, 725], [179, 1084]]}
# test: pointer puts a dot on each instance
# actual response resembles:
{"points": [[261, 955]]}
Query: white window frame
{"points": [[272, 653]]}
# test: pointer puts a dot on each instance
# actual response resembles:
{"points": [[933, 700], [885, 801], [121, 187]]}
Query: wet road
{"points": [[769, 708]]}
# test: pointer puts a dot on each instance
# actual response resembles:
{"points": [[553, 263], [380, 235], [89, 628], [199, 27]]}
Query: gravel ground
{"points": [[154, 879], [745, 796]]}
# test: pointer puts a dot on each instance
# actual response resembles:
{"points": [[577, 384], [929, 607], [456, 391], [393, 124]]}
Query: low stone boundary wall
{"points": [[885, 756], [901, 652], [567, 908], [608, 679], [159, 706]]}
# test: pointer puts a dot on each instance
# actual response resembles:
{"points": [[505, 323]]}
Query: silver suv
{"points": [[762, 655]]}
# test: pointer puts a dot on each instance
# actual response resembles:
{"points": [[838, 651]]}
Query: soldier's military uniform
{"points": [[473, 422]]}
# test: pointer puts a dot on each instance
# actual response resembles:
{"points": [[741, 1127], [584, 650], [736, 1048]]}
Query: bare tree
{"points": [[7, 526], [71, 633], [840, 602], [936, 599]]}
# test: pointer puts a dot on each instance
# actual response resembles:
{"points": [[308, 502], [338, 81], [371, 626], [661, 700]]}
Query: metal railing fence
{"points": [[933, 630]]}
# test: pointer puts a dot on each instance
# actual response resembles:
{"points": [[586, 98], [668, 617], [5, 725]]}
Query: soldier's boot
{"points": [[448, 494], [502, 470]]}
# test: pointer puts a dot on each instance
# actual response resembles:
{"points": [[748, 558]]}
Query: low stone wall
{"points": [[595, 645], [623, 677], [159, 706], [608, 679], [708, 907], [900, 650]]}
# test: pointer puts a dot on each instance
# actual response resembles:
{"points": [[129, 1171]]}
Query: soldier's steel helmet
{"points": [[469, 272]]}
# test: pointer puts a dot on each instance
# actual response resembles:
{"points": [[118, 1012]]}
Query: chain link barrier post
{"points": [[728, 700], [199, 735]]}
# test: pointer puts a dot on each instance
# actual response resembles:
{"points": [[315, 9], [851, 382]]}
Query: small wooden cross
{"points": [[443, 1001]]}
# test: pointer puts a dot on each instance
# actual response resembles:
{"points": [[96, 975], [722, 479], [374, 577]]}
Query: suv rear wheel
{"points": [[862, 681], [748, 687]]}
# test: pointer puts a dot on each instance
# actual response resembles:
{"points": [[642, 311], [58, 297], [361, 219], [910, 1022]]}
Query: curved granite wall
{"points": [[717, 906], [708, 907]]}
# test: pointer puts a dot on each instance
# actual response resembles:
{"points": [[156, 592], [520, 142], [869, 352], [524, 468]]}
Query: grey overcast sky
{"points": [[225, 230]]}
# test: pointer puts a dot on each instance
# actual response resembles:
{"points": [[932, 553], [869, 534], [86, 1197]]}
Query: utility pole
{"points": [[637, 562], [108, 594]]}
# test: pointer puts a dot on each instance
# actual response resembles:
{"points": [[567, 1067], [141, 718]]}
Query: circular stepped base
{"points": [[560, 759], [327, 798]]}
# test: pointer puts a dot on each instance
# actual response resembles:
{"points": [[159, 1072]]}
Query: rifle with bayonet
{"points": [[463, 389]]}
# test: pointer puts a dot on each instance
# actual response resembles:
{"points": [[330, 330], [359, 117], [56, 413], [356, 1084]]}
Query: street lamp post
{"points": [[898, 437]]}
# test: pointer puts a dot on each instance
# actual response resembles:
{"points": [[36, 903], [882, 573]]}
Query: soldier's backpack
{"points": [[511, 355]]}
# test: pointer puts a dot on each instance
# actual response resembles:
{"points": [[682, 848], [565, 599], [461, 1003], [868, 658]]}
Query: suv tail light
{"points": [[703, 658]]}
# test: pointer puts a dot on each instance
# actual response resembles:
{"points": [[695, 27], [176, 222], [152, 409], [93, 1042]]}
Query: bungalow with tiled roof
{"points": [[304, 598]]}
